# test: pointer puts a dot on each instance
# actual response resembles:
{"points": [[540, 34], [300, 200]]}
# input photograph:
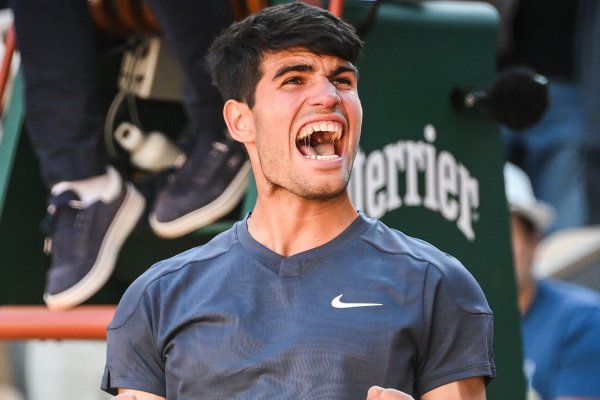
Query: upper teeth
{"points": [[330, 126]]}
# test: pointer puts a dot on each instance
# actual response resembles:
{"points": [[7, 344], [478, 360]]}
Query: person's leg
{"points": [[91, 211], [189, 28], [213, 179], [63, 118]]}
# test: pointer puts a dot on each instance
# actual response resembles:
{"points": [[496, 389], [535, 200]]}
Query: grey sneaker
{"points": [[202, 191], [85, 242]]}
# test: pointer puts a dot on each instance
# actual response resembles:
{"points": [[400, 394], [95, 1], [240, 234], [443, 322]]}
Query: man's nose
{"points": [[324, 94]]}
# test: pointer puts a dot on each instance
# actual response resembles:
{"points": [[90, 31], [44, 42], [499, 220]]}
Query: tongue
{"points": [[322, 149], [307, 150]]}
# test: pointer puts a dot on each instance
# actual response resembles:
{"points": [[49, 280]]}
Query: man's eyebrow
{"points": [[309, 68], [344, 68], [293, 68]]}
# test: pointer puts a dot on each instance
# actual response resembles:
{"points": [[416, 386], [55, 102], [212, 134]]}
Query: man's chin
{"points": [[323, 194], [312, 190]]}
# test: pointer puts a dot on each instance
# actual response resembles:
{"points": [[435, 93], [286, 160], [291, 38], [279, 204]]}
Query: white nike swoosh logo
{"points": [[337, 303]]}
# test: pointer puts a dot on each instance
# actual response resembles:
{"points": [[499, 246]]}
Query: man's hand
{"points": [[379, 393]]}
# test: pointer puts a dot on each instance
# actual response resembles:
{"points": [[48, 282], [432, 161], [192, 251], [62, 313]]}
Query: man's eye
{"points": [[293, 81], [342, 82]]}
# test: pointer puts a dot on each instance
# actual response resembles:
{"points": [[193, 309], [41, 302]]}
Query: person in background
{"points": [[305, 298], [560, 321], [561, 41], [92, 210]]}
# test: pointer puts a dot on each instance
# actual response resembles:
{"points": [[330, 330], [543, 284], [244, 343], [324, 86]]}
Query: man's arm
{"points": [[466, 389], [379, 393], [128, 394]]}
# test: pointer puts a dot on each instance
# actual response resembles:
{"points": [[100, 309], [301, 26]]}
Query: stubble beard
{"points": [[304, 189]]}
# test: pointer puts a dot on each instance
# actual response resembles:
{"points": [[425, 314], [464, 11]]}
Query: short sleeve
{"points": [[459, 326], [134, 359]]}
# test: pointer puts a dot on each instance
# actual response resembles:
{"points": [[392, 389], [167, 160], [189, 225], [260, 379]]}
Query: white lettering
{"points": [[374, 182], [395, 161], [355, 185], [431, 178], [415, 163], [431, 199], [447, 185], [469, 200]]}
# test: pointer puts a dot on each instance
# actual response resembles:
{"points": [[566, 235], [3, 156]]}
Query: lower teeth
{"points": [[316, 157]]}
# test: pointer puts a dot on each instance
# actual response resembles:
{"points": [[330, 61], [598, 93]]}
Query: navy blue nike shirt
{"points": [[234, 320]]}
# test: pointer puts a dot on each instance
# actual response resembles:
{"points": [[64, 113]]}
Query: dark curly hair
{"points": [[235, 56]]}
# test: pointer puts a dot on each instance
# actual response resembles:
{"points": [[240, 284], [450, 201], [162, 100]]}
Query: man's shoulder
{"points": [[394, 241], [176, 269], [211, 250], [444, 269]]}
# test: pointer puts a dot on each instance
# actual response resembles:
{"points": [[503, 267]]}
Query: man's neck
{"points": [[291, 226]]}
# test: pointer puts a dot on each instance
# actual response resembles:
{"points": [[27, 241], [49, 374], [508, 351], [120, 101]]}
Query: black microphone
{"points": [[518, 98]]}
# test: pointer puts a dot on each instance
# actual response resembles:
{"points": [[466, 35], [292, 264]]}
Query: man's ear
{"points": [[239, 120]]}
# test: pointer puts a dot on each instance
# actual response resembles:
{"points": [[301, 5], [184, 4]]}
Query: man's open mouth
{"points": [[317, 141]]}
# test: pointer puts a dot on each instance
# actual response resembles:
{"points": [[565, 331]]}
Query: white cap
{"points": [[521, 200]]}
